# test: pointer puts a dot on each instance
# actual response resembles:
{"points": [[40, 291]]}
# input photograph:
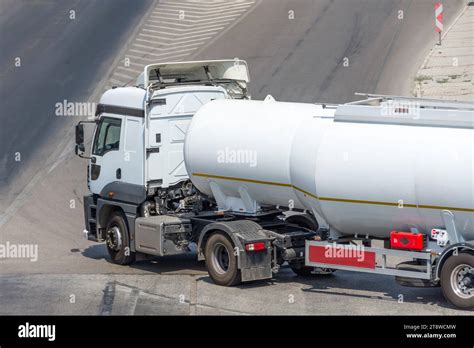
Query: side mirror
{"points": [[80, 135], [80, 149]]}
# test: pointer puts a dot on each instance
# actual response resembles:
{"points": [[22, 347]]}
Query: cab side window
{"points": [[107, 137]]}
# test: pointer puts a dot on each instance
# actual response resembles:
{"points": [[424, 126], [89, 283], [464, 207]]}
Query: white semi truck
{"points": [[186, 158]]}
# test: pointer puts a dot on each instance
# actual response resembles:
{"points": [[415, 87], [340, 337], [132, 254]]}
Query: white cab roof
{"points": [[131, 97], [233, 69]]}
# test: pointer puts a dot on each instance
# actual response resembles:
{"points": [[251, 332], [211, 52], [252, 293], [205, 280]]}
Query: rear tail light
{"points": [[255, 246]]}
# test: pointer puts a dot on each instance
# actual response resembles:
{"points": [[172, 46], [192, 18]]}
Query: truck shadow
{"points": [[175, 264], [354, 285], [340, 284]]}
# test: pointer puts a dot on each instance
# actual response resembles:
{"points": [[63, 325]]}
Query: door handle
{"points": [[118, 173]]}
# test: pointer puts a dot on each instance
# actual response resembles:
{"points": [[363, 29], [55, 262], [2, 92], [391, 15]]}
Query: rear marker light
{"points": [[255, 246]]}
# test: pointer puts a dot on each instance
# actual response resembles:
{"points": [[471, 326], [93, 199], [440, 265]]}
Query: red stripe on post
{"points": [[342, 255], [439, 17]]}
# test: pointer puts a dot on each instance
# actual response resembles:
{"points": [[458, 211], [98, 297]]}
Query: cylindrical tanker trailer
{"points": [[401, 171], [365, 178]]}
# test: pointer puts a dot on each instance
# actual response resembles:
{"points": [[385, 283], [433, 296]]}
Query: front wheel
{"points": [[221, 262], [457, 280], [118, 240]]}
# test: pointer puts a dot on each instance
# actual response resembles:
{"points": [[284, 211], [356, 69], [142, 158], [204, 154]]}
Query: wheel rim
{"points": [[221, 258], [461, 281], [114, 238]]}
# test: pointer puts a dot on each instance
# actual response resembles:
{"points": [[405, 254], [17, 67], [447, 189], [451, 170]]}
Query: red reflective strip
{"points": [[334, 256], [439, 17]]}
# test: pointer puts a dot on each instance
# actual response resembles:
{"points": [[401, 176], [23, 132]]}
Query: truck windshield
{"points": [[107, 137]]}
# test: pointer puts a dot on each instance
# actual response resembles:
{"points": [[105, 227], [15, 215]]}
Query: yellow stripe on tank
{"points": [[331, 199]]}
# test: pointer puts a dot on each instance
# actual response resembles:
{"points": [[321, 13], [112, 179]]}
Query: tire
{"points": [[414, 266], [303, 220], [117, 240], [452, 275], [221, 262]]}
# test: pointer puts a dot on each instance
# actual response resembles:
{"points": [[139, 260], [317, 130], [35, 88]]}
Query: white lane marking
{"points": [[206, 16], [158, 37], [187, 15], [173, 7], [163, 54], [132, 56], [130, 70], [116, 82], [124, 76], [171, 21], [184, 23], [197, 43], [203, 26], [179, 7], [202, 18], [229, 18], [210, 5], [140, 65], [153, 60], [176, 34], [174, 15], [174, 42], [192, 19], [181, 14], [217, 11], [206, 8]]}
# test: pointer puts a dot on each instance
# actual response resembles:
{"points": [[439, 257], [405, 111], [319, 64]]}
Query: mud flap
{"points": [[256, 265]]}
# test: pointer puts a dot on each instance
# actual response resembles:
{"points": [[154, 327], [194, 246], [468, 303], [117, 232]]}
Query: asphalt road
{"points": [[63, 56], [300, 59], [303, 59]]}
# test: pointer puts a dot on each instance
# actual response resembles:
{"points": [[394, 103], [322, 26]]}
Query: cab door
{"points": [[105, 165], [132, 148], [168, 123]]}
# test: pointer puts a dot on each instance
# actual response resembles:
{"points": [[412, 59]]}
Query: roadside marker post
{"points": [[439, 20]]}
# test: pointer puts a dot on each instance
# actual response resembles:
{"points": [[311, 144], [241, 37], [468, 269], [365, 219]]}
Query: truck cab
{"points": [[137, 142]]}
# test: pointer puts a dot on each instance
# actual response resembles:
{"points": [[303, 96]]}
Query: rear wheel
{"points": [[221, 262], [117, 240], [457, 280]]}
